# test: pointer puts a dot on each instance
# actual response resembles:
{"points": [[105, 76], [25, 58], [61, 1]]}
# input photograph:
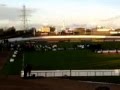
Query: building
{"points": [[103, 29], [45, 29]]}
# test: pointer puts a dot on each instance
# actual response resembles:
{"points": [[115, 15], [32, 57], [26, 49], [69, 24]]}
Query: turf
{"points": [[12, 68], [67, 59], [78, 59]]}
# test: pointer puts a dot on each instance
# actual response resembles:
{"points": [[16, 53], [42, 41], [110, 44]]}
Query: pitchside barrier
{"points": [[108, 51], [62, 73]]}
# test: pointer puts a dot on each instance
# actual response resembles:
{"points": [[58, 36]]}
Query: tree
{"points": [[52, 29], [63, 32], [1, 31], [10, 31]]}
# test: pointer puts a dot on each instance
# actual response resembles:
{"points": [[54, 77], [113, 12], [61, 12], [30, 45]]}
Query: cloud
{"points": [[11, 13], [77, 14], [111, 22]]}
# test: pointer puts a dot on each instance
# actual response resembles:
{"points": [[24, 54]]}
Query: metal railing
{"points": [[62, 73]]}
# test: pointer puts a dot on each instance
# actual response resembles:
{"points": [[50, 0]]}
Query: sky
{"points": [[55, 12]]}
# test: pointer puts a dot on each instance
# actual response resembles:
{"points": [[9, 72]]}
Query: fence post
{"points": [[54, 74], [102, 73], [45, 74], [95, 73], [70, 72], [118, 72]]}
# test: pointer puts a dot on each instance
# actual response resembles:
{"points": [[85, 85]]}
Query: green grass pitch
{"points": [[78, 59]]}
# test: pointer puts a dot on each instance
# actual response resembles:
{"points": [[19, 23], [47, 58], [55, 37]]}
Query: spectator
{"points": [[27, 70]]}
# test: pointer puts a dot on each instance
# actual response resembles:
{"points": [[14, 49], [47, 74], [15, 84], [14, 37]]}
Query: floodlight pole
{"points": [[23, 61]]}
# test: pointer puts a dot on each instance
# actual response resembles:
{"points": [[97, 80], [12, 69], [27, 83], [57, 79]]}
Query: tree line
{"points": [[12, 32]]}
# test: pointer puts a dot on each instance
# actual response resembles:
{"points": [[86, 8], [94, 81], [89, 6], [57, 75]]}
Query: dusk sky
{"points": [[58, 11]]}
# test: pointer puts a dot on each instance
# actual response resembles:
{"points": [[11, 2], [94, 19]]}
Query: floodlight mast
{"points": [[23, 61], [24, 20]]}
